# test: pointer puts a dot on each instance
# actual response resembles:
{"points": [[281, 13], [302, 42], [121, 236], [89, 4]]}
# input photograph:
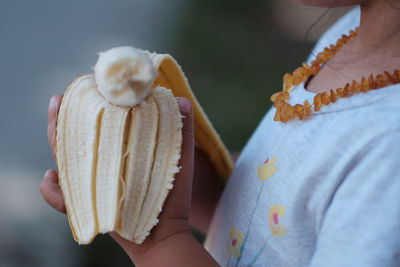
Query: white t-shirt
{"points": [[324, 191]]}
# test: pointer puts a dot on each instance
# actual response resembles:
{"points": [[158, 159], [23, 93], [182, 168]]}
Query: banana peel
{"points": [[170, 75]]}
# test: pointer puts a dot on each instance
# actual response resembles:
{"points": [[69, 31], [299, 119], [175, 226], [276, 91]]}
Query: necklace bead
{"points": [[286, 112]]}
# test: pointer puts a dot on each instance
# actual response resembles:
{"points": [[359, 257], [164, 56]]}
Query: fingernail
{"points": [[185, 106], [46, 173], [53, 102]]}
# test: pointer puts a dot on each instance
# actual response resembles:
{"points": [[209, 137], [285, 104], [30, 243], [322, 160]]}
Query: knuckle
{"points": [[187, 130], [60, 206]]}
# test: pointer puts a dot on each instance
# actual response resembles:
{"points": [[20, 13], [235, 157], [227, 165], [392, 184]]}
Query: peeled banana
{"points": [[118, 143]]}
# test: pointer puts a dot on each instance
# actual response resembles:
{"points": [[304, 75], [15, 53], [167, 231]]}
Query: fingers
{"points": [[54, 104], [180, 197], [51, 191], [49, 187]]}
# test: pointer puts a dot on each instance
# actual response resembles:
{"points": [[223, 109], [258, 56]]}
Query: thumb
{"points": [[185, 107], [178, 201]]}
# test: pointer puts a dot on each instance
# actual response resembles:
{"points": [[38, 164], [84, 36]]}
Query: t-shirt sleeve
{"points": [[361, 226]]}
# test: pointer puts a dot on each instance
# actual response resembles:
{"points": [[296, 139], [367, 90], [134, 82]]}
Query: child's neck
{"points": [[374, 50], [379, 28]]}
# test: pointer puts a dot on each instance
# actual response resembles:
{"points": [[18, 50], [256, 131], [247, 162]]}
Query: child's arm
{"points": [[170, 242]]}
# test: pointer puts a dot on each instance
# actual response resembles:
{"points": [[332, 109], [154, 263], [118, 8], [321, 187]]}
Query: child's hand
{"points": [[175, 215]]}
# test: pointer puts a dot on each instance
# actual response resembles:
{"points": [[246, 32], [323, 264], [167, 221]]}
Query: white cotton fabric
{"points": [[337, 178]]}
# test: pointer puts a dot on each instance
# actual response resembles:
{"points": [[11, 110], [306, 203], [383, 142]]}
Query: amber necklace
{"points": [[286, 112]]}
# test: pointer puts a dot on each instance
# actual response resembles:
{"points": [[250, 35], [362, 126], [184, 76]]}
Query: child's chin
{"points": [[330, 3]]}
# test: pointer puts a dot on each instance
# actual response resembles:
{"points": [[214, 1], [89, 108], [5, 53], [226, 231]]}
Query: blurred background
{"points": [[234, 54]]}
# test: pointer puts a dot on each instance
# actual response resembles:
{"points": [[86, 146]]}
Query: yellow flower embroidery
{"points": [[235, 241], [276, 212], [267, 170]]}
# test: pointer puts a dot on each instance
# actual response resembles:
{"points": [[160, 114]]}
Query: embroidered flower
{"points": [[267, 169], [276, 212], [235, 241]]}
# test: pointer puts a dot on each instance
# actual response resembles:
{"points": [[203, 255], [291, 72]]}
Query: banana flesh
{"points": [[119, 140], [124, 75]]}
